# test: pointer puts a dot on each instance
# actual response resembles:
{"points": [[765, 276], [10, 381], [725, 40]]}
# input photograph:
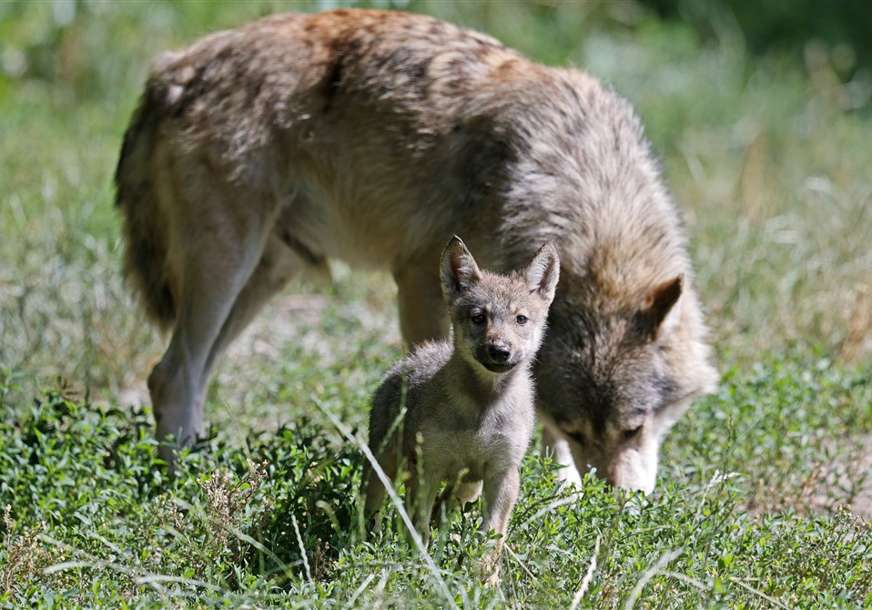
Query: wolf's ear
{"points": [[543, 272], [457, 269], [657, 304]]}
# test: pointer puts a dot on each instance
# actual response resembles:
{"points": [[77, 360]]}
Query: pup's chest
{"points": [[474, 445]]}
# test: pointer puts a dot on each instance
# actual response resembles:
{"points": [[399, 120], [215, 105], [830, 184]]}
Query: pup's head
{"points": [[498, 320], [614, 380]]}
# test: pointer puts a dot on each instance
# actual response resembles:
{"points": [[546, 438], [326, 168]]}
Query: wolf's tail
{"points": [[145, 231]]}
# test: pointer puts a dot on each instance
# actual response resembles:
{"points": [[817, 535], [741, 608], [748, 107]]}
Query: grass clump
{"points": [[91, 515]]}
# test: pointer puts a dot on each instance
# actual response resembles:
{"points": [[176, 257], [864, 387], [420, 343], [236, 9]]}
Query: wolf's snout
{"points": [[635, 469], [499, 353]]}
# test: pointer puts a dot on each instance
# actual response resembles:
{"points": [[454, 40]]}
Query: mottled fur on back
{"points": [[260, 152], [462, 411]]}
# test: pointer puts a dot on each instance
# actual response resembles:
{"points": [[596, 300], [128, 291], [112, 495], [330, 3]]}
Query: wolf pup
{"points": [[261, 152], [469, 402]]}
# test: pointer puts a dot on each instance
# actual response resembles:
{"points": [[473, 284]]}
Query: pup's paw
{"points": [[490, 568]]}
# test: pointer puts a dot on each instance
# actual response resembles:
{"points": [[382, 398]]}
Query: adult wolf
{"points": [[372, 137]]}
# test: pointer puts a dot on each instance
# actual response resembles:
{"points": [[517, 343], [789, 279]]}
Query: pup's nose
{"points": [[498, 353]]}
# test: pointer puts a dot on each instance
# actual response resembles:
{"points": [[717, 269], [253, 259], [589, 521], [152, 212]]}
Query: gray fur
{"points": [[467, 419]]}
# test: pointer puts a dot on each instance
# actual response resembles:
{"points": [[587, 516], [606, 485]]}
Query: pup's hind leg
{"points": [[375, 491], [454, 496], [468, 491], [420, 497]]}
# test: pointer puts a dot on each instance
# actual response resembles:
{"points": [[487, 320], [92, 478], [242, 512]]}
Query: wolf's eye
{"points": [[521, 319], [628, 434], [478, 318]]}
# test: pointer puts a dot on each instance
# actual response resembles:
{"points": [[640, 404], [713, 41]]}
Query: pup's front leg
{"points": [[500, 494]]}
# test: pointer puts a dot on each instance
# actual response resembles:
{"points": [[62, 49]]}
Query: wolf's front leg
{"points": [[500, 494], [554, 444]]}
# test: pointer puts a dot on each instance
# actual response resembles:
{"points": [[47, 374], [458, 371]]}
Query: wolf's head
{"points": [[498, 320], [614, 377]]}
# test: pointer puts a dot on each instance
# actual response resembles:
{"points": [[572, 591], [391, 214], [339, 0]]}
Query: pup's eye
{"points": [[628, 434], [478, 318], [521, 318]]}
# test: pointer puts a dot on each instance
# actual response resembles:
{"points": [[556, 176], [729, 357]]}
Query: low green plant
{"points": [[92, 517]]}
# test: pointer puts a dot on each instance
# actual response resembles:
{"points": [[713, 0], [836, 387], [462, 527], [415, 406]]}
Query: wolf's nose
{"points": [[498, 353]]}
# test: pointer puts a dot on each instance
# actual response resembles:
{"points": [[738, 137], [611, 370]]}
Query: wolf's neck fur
{"points": [[608, 206]]}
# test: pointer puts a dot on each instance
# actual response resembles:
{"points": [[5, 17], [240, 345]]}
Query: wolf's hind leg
{"points": [[217, 242], [277, 265], [178, 381]]}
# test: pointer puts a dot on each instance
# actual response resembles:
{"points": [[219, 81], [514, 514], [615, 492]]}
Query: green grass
{"points": [[763, 493], [89, 503]]}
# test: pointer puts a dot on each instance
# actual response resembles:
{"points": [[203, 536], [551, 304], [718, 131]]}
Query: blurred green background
{"points": [[93, 46]]}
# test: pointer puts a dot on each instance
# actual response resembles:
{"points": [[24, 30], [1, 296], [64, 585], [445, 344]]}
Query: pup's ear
{"points": [[543, 272], [657, 304], [457, 269]]}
